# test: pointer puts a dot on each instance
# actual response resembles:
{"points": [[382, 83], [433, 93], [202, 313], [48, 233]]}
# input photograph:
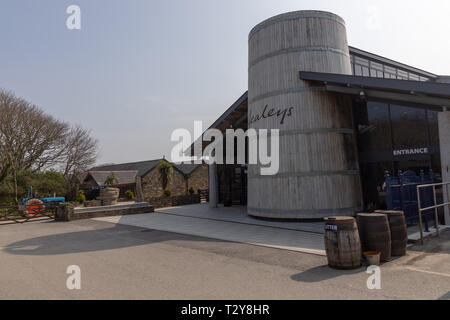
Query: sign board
{"points": [[410, 152], [331, 227]]}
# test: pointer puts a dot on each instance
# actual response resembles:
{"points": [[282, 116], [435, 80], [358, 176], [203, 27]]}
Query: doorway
{"points": [[232, 185]]}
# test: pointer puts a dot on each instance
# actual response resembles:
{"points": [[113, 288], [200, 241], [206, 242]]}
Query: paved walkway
{"points": [[126, 262], [239, 214], [192, 220]]}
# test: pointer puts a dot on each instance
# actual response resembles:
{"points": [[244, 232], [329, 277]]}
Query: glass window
{"points": [[376, 70], [362, 62], [409, 128], [403, 75], [373, 184], [373, 126], [390, 73], [365, 72], [436, 166], [434, 127], [376, 66], [392, 138]]}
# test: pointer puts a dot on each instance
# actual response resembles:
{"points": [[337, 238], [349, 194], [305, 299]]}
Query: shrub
{"points": [[191, 191], [129, 194], [111, 180], [81, 198], [66, 204], [167, 192]]}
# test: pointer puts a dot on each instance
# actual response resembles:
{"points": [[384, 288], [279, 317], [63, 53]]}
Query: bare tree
{"points": [[80, 153], [29, 138], [32, 139]]}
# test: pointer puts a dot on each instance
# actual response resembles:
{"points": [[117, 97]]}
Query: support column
{"points": [[139, 193], [213, 186], [444, 138]]}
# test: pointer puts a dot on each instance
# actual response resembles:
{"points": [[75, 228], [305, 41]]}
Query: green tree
{"points": [[111, 180], [44, 183], [165, 170]]}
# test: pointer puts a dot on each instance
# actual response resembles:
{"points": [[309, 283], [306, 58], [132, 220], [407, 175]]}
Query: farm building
{"points": [[182, 178]]}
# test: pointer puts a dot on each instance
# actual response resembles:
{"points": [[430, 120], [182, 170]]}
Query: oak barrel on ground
{"points": [[342, 243], [399, 232], [375, 234]]}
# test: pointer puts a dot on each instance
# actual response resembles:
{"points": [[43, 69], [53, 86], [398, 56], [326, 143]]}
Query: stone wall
{"points": [[68, 213], [165, 202], [198, 180], [152, 186]]}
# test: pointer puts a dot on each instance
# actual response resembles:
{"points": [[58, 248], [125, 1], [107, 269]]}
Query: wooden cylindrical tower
{"points": [[318, 174]]}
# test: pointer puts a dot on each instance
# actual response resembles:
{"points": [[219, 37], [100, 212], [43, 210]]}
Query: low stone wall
{"points": [[164, 202], [67, 213]]}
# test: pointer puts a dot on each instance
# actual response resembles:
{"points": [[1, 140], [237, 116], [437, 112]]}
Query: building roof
{"points": [[424, 94], [144, 167], [123, 177], [390, 62], [186, 168], [234, 117]]}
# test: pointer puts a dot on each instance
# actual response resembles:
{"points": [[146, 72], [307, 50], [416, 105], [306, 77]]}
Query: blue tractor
{"points": [[49, 201]]}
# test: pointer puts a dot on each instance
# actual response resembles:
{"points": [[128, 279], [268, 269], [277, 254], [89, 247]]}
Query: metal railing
{"points": [[435, 206]]}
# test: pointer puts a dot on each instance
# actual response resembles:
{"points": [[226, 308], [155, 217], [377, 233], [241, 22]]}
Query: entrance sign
{"points": [[410, 152]]}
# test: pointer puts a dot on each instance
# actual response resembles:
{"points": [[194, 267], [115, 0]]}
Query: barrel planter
{"points": [[342, 243], [399, 232], [109, 196], [317, 139], [375, 234]]}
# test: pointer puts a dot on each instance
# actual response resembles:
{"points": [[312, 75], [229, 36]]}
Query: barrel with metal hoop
{"points": [[399, 232], [318, 172], [375, 234], [342, 243]]}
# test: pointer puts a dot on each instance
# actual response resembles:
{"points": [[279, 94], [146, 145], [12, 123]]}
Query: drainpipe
{"points": [[213, 186]]}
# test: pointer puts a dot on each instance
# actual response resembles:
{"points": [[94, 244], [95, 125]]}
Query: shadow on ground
{"points": [[323, 273], [445, 296], [119, 236], [432, 245]]}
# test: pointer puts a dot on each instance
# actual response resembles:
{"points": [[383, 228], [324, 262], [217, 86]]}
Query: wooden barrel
{"points": [[317, 149], [399, 232], [342, 243], [375, 234]]}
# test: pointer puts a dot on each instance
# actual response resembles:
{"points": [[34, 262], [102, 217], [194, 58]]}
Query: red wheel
{"points": [[34, 207]]}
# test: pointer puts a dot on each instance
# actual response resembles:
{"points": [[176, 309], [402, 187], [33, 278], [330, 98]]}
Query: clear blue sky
{"points": [[139, 69]]}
